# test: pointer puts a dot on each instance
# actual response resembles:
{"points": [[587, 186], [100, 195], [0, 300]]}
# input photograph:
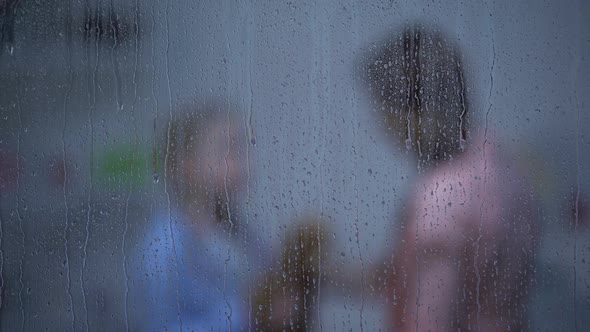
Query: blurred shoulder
{"points": [[446, 199], [156, 249]]}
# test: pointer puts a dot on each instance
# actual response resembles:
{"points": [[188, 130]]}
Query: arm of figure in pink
{"points": [[435, 277], [427, 272]]}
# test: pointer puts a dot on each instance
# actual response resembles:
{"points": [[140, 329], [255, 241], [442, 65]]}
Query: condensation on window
{"points": [[298, 165]]}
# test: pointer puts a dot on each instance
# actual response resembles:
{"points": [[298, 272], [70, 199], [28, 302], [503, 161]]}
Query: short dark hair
{"points": [[416, 79]]}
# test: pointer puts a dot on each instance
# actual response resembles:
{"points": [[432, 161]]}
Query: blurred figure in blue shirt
{"points": [[193, 263]]}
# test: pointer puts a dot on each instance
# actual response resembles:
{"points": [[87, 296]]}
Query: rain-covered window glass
{"points": [[294, 165]]}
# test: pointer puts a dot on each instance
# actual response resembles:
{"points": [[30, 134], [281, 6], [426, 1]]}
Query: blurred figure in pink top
{"points": [[464, 259]]}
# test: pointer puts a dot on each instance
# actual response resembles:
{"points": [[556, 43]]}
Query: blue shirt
{"points": [[190, 278]]}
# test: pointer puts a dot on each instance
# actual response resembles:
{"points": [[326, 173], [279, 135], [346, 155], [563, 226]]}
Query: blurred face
{"points": [[219, 161]]}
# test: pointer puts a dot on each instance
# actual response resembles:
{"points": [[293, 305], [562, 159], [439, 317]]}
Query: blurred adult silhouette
{"points": [[193, 261], [468, 233]]}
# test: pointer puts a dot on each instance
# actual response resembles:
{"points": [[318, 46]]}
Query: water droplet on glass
{"points": [[156, 177], [409, 144]]}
